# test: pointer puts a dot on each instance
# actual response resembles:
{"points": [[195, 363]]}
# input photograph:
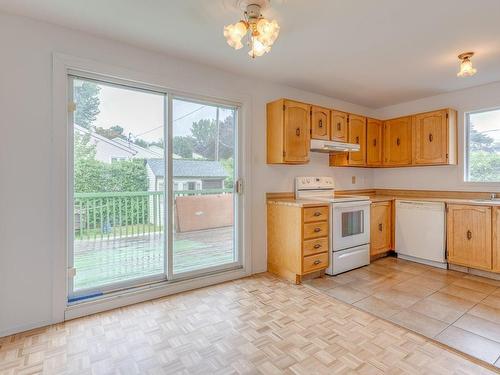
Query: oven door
{"points": [[350, 223]]}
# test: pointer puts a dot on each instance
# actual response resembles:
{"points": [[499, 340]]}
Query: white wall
{"points": [[442, 177], [30, 183]]}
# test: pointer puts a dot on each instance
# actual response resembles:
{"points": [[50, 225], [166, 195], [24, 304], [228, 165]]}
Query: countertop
{"points": [[386, 198]]}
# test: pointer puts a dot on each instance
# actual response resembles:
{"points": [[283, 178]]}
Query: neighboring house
{"points": [[110, 150], [187, 174]]}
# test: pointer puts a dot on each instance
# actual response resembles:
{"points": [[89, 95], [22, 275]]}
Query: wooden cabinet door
{"points": [[374, 142], [339, 126], [495, 239], [397, 141], [380, 227], [469, 236], [296, 132], [357, 134], [430, 138], [320, 123]]}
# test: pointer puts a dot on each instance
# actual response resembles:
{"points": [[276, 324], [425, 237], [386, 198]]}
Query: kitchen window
{"points": [[482, 146]]}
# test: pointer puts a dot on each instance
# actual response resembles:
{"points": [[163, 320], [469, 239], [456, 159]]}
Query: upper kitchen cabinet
{"points": [[356, 130], [288, 132], [339, 126], [320, 123], [435, 138], [374, 142], [357, 134], [397, 141]]}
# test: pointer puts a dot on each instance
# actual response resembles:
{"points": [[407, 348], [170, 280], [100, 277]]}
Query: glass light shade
{"points": [[258, 49], [234, 34], [466, 69], [268, 31]]}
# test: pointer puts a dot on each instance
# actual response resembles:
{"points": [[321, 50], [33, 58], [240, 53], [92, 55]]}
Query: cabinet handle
{"points": [[380, 227], [317, 229], [317, 213], [357, 140], [297, 132], [317, 261], [469, 235], [320, 123], [398, 141], [317, 246], [375, 142], [338, 126], [431, 137]]}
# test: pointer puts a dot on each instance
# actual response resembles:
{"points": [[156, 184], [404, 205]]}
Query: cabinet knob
{"points": [[398, 141], [431, 137], [357, 140], [317, 261], [380, 227], [375, 142], [317, 246], [317, 213], [297, 132], [317, 229], [469, 235], [320, 123]]}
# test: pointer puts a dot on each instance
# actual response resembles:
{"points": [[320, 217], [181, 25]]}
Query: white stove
{"points": [[349, 222]]}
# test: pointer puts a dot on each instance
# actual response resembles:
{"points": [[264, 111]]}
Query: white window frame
{"points": [[493, 186], [63, 65]]}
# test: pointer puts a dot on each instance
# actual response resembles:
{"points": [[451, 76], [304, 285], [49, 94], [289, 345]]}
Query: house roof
{"points": [[189, 168]]}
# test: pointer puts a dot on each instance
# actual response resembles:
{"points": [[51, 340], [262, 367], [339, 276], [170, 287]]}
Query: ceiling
{"points": [[373, 53]]}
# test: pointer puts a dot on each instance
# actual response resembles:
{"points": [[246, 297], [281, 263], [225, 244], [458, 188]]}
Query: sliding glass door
{"points": [[152, 189], [203, 175]]}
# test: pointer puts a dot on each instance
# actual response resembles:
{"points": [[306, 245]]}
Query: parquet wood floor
{"points": [[257, 325]]}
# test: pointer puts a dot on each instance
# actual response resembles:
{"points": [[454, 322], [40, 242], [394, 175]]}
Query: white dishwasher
{"points": [[421, 232]]}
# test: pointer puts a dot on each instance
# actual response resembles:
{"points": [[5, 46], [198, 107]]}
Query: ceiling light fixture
{"points": [[262, 33], [466, 69]]}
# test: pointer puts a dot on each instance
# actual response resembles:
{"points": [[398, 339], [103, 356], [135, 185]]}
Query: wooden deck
{"points": [[108, 260]]}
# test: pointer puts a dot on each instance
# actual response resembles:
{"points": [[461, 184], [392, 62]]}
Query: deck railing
{"points": [[124, 214]]}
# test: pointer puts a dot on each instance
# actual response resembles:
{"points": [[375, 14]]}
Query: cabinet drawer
{"points": [[315, 214], [315, 262], [315, 230], [315, 246]]}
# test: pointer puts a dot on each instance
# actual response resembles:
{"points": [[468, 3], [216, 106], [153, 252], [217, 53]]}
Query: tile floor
{"points": [[454, 308]]}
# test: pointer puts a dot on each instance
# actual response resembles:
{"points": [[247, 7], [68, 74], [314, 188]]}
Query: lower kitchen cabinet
{"points": [[495, 216], [380, 227], [469, 240], [297, 239]]}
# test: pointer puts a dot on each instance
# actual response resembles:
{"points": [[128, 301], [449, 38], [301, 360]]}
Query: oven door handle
{"points": [[351, 204]]}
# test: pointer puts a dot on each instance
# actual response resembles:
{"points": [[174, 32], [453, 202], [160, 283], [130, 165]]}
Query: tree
{"points": [[228, 165], [112, 132], [484, 166], [86, 97], [205, 137], [183, 146]]}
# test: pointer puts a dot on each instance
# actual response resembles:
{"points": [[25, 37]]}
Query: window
{"points": [[483, 146]]}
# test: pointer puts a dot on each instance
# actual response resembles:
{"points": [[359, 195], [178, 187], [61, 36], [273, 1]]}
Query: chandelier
{"points": [[261, 33], [466, 69]]}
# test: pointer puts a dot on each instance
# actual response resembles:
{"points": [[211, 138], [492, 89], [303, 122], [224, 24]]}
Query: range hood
{"points": [[333, 147]]}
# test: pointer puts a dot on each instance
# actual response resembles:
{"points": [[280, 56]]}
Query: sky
{"points": [[141, 113], [487, 123]]}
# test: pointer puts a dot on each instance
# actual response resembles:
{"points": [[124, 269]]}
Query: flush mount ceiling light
{"points": [[261, 33], [466, 69]]}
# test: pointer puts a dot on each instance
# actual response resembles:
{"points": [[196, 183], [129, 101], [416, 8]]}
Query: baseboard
{"points": [[25, 327]]}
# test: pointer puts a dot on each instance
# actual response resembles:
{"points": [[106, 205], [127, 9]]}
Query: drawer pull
{"points": [[317, 213], [316, 262], [317, 246], [317, 229], [469, 235]]}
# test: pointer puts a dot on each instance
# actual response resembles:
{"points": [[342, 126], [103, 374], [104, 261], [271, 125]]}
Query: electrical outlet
{"points": [[353, 180]]}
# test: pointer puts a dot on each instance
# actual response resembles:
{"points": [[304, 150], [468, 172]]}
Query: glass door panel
{"points": [[203, 178], [118, 195]]}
